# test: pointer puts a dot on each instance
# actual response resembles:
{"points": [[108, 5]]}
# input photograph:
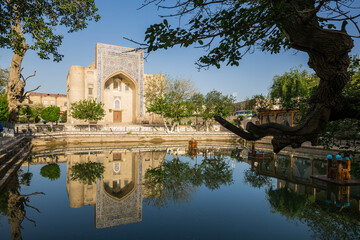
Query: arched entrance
{"points": [[120, 100]]}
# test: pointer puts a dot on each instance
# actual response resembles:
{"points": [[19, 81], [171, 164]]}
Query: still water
{"points": [[167, 192]]}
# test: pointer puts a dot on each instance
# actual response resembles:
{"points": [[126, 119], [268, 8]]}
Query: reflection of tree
{"points": [[216, 173], [170, 182], [325, 221], [329, 222], [256, 180], [175, 181], [86, 173], [50, 171], [287, 202], [13, 205]]}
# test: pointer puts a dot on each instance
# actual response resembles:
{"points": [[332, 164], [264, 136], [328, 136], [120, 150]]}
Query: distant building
{"points": [[116, 79], [49, 99]]}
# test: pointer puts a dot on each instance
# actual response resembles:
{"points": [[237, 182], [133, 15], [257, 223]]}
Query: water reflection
{"points": [[175, 181], [14, 205], [116, 181], [331, 211]]}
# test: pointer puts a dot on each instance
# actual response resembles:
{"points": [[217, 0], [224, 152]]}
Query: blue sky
{"points": [[119, 19]]}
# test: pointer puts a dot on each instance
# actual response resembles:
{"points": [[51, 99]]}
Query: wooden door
{"points": [[117, 116]]}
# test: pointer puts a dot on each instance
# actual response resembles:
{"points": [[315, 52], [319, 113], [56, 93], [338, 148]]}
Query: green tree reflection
{"points": [[175, 181], [325, 221], [256, 180], [86, 173], [50, 171]]}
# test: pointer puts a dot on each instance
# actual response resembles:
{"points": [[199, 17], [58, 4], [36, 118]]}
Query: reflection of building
{"points": [[117, 197], [116, 79]]}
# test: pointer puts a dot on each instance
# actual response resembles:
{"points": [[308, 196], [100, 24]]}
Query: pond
{"points": [[168, 192]]}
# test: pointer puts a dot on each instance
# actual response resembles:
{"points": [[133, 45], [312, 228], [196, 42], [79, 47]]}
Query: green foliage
{"points": [[50, 171], [40, 21], [292, 86], [35, 112], [87, 110], [174, 103], [258, 102], [4, 108], [229, 29], [24, 114], [51, 114], [217, 104], [63, 117], [197, 102], [86, 173]]}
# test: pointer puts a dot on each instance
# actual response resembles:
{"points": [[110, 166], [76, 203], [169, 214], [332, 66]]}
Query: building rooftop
{"points": [[47, 94]]}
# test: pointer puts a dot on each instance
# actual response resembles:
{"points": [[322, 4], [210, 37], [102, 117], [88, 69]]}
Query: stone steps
{"points": [[12, 158]]}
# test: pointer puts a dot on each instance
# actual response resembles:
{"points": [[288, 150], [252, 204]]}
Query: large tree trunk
{"points": [[328, 55], [15, 87]]}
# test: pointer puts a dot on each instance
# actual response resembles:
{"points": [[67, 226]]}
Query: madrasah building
{"points": [[116, 79]]}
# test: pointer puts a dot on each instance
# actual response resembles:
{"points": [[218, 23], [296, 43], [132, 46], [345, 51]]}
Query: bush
{"points": [[51, 114]]}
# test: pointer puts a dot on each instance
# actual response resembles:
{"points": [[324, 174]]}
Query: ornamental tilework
{"points": [[111, 59], [110, 212]]}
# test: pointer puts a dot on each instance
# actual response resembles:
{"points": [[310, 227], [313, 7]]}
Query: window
{"points": [[90, 91], [117, 104], [126, 87], [107, 85], [65, 104], [52, 102], [45, 102]]}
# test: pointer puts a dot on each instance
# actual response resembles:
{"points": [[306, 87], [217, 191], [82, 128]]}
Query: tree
{"points": [[258, 102], [50, 171], [4, 109], [51, 114], [216, 104], [172, 101], [197, 102], [292, 86], [228, 29], [87, 110], [32, 25]]}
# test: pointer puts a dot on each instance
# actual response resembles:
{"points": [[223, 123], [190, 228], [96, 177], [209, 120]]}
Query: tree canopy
{"points": [[33, 25], [87, 110], [228, 29], [50, 114], [292, 86], [170, 99]]}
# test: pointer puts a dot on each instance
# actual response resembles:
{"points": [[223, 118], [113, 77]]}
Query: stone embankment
{"points": [[61, 138], [13, 152]]}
